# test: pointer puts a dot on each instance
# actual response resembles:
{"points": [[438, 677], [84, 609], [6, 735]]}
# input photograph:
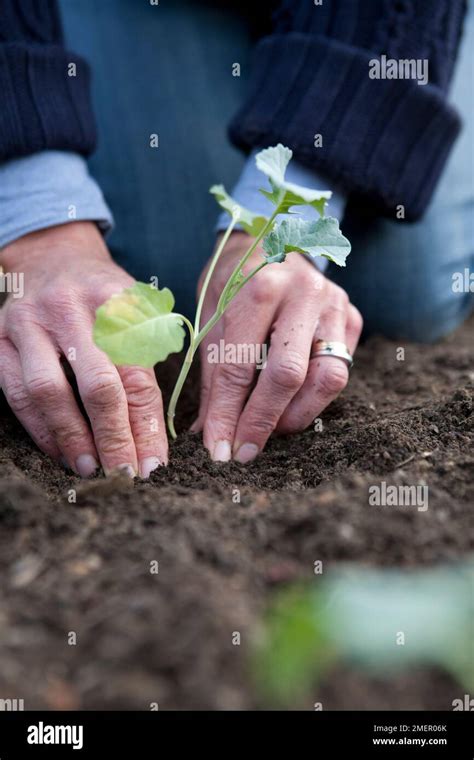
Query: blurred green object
{"points": [[380, 621], [294, 649]]}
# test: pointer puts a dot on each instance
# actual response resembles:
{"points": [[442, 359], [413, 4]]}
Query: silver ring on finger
{"points": [[332, 348]]}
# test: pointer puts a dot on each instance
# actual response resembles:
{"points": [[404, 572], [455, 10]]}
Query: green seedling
{"points": [[139, 326], [376, 621]]}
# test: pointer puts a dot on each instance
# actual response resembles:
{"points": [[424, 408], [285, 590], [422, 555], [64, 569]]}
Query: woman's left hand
{"points": [[290, 306]]}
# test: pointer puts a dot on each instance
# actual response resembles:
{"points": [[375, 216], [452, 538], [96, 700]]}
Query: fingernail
{"points": [[246, 453], [195, 426], [147, 466], [86, 465], [222, 452], [126, 469]]}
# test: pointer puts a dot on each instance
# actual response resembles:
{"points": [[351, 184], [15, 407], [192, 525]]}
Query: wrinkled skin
{"points": [[293, 305], [68, 273]]}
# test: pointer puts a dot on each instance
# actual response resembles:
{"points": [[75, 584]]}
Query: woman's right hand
{"points": [[68, 273]]}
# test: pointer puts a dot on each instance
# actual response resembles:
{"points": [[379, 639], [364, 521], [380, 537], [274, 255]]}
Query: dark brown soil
{"points": [[84, 567]]}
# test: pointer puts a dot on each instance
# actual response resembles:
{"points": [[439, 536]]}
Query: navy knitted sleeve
{"points": [[44, 89], [385, 139]]}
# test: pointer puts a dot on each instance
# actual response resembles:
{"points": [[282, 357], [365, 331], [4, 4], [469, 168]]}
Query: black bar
{"points": [[143, 734]]}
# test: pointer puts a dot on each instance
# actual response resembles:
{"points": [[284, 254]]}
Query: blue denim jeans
{"points": [[166, 70]]}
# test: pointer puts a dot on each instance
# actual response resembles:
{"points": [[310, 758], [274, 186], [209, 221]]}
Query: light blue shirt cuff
{"points": [[246, 192], [45, 189]]}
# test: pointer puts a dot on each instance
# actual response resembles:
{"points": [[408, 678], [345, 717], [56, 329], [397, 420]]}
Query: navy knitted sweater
{"points": [[384, 139]]}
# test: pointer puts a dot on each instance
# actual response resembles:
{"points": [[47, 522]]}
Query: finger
{"points": [[145, 412], [53, 398], [241, 350], [281, 379], [20, 402], [327, 375], [354, 327], [105, 401]]}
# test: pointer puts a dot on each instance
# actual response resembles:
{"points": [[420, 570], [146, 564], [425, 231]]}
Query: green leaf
{"points": [[321, 237], [290, 195], [273, 162], [274, 246], [433, 608], [138, 326], [251, 223], [284, 195], [354, 616], [293, 650]]}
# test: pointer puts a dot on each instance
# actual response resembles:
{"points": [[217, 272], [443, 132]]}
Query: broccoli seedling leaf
{"points": [[353, 616], [273, 162], [138, 326], [434, 608], [293, 650], [289, 195], [321, 237], [251, 223], [274, 246], [284, 195]]}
